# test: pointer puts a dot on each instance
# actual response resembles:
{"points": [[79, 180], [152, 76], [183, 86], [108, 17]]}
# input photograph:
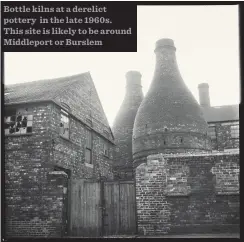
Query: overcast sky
{"points": [[207, 50]]}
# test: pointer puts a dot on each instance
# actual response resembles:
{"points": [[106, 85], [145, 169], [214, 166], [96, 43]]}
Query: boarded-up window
{"points": [[176, 180], [64, 124], [88, 152], [227, 177], [18, 121]]}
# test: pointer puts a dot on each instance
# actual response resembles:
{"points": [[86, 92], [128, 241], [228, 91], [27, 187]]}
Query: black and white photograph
{"points": [[141, 144]]}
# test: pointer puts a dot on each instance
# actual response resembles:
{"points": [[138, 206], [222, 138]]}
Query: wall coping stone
{"points": [[231, 152]]}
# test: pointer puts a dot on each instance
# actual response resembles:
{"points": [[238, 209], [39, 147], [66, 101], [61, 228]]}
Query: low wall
{"points": [[185, 193]]}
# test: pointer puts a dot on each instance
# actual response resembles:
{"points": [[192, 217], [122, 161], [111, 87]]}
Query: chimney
{"points": [[124, 121], [133, 83], [204, 98]]}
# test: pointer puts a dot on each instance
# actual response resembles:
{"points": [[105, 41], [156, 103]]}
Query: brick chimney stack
{"points": [[204, 98]]}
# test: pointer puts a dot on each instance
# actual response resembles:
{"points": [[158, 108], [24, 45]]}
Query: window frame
{"points": [[65, 114], [89, 145], [105, 144], [215, 132], [18, 112], [234, 131]]}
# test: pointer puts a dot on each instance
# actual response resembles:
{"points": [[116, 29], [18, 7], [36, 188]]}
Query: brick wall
{"points": [[38, 211], [84, 103], [223, 138], [153, 211], [70, 154], [34, 204], [26, 166], [188, 194]]}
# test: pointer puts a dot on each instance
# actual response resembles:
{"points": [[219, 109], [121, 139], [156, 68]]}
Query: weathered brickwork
{"points": [[202, 197], [35, 200], [223, 121], [227, 177], [223, 139], [26, 166], [38, 210], [176, 179], [84, 103], [70, 154], [153, 211], [169, 117]]}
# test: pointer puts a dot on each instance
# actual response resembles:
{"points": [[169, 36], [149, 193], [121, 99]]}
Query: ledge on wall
{"points": [[173, 190], [224, 193], [88, 165], [215, 153], [177, 194], [57, 173]]}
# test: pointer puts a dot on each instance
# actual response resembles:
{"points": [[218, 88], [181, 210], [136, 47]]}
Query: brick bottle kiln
{"points": [[169, 119], [123, 124]]}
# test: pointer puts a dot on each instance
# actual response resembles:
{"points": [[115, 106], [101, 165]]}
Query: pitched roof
{"points": [[39, 90], [221, 113], [77, 91]]}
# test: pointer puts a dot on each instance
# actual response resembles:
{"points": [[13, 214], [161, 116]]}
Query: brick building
{"points": [[123, 125], [181, 186], [55, 130], [188, 194], [223, 121]]}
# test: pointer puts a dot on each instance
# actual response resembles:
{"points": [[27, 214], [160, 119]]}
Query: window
{"points": [[235, 131], [88, 156], [88, 139], [88, 152], [18, 121], [212, 132], [105, 149], [64, 124]]}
